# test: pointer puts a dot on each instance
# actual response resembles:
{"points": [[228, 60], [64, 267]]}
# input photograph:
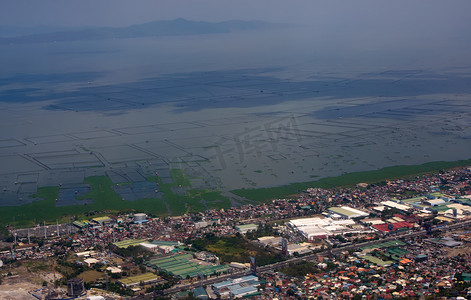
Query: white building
{"points": [[316, 227], [393, 204]]}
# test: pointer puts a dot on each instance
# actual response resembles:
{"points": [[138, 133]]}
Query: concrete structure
{"points": [[75, 287], [151, 247], [114, 270], [91, 261], [140, 218]]}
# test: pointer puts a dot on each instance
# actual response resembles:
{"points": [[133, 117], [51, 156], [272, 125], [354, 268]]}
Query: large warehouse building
{"points": [[347, 212], [317, 227]]}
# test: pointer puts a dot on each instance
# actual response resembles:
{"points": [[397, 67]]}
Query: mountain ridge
{"points": [[176, 27]]}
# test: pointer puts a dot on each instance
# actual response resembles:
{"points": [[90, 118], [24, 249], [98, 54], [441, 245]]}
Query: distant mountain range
{"points": [[158, 28]]}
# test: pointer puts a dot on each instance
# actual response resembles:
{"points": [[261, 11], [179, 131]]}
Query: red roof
{"points": [[396, 226]]}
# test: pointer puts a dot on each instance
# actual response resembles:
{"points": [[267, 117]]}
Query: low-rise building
{"points": [[147, 278], [243, 229]]}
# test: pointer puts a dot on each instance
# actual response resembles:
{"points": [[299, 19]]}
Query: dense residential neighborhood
{"points": [[405, 238]]}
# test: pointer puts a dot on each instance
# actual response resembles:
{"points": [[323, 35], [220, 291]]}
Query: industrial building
{"points": [[200, 293], [347, 212], [164, 247], [237, 288], [435, 202], [243, 229], [100, 221], [270, 241], [140, 218], [299, 249], [183, 266], [392, 204], [147, 278], [131, 242], [316, 227]]}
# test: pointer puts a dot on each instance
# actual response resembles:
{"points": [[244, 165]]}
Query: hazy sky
{"points": [[449, 14]]}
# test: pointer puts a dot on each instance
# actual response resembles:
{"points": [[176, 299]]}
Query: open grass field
{"points": [[350, 179], [236, 248], [90, 276]]}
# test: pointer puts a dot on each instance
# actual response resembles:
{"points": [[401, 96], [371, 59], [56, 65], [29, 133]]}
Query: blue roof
{"points": [[248, 278], [221, 284], [235, 284], [199, 292]]}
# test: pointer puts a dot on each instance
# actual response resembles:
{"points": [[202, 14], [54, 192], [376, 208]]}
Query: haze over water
{"points": [[244, 109]]}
